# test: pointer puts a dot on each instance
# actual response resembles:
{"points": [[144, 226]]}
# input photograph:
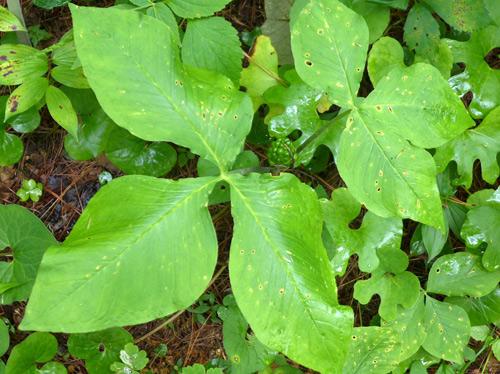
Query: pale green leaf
{"points": [[196, 8], [213, 44], [496, 348], [115, 254], [61, 110], [20, 63], [99, 349], [39, 347], [478, 77], [280, 274], [69, 77], [482, 310], [163, 13], [25, 96], [329, 44], [441, 58], [375, 232], [381, 156], [145, 88], [448, 330], [28, 238], [377, 16], [52, 368], [480, 143], [9, 22], [464, 15], [385, 55], [481, 226], [461, 274], [434, 240]]}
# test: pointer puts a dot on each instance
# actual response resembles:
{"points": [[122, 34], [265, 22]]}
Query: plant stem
{"points": [[16, 9]]}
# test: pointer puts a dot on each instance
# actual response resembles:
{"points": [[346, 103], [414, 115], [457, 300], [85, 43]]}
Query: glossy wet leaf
{"points": [[480, 143], [70, 77], [461, 274], [478, 77], [276, 27], [26, 122], [4, 338], [464, 15], [30, 190], [148, 239], [213, 44], [262, 70], [20, 63], [481, 226], [133, 155], [244, 351], [200, 110], [196, 8], [25, 96], [385, 55], [38, 347], [134, 358], [93, 136], [61, 110], [28, 239], [481, 310], [329, 45], [11, 148], [374, 233], [280, 274], [99, 349], [448, 330], [9, 22], [381, 156], [377, 16]]}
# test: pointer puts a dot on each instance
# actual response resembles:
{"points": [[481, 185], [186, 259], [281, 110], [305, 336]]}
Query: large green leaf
{"points": [[280, 273], [39, 347], [213, 44], [148, 243], [481, 226], [9, 22], [20, 63], [461, 274], [464, 15], [482, 310], [480, 143], [99, 349], [381, 157], [28, 238], [375, 232], [448, 330], [196, 8], [329, 45], [478, 77], [146, 89]]}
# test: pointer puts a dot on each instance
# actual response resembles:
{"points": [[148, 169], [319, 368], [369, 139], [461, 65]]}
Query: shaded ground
{"points": [[70, 184]]}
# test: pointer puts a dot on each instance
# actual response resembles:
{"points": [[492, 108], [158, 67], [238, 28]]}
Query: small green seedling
{"points": [[30, 190], [132, 360]]}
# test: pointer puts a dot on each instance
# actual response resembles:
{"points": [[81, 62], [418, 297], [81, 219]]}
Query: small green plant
{"points": [[30, 190], [132, 360]]}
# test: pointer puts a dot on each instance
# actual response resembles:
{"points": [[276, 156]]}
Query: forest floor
{"points": [[191, 337]]}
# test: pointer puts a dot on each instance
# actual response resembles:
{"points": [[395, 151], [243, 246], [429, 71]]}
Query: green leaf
{"points": [[196, 8], [213, 44], [99, 349], [25, 96], [115, 254], [11, 149], [481, 226], [200, 369], [377, 16], [276, 27], [375, 232], [482, 310], [133, 358], [448, 330], [4, 338], [61, 110], [262, 70], [280, 274], [135, 156], [93, 136], [385, 55], [39, 347], [463, 15], [38, 34], [70, 77], [200, 110], [244, 351], [480, 143], [28, 238], [30, 190], [478, 77], [421, 30], [461, 274], [434, 240], [163, 13], [479, 333], [329, 44], [50, 4], [455, 216], [27, 121], [496, 348], [9, 22], [52, 368], [20, 63], [381, 156]]}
